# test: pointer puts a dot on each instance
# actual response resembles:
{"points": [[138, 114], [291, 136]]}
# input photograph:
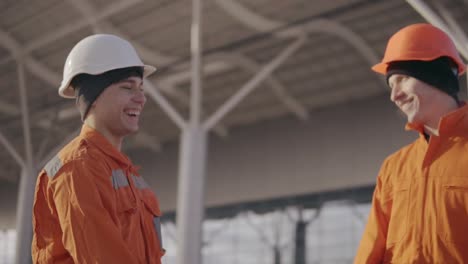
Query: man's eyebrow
{"points": [[132, 81]]}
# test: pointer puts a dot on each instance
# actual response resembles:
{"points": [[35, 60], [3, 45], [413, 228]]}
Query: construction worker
{"points": [[419, 210], [91, 205]]}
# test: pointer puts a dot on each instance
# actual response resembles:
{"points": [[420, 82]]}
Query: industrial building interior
{"points": [[298, 123]]}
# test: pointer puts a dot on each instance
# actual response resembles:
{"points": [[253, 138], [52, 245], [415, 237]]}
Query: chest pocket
{"points": [[452, 209], [398, 205], [151, 210]]}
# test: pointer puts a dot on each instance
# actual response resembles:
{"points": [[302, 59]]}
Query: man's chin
{"points": [[414, 121], [412, 117], [132, 130]]}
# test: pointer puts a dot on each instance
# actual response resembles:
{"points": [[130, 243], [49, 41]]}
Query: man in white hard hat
{"points": [[91, 205]]}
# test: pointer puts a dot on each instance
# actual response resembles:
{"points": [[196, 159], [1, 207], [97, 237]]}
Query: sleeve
{"points": [[89, 234], [372, 246]]}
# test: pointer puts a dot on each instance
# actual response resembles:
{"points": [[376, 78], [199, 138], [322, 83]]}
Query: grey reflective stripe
{"points": [[140, 183], [157, 228], [53, 166], [119, 179]]}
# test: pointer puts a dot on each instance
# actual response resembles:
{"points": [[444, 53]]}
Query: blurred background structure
{"points": [[289, 165]]}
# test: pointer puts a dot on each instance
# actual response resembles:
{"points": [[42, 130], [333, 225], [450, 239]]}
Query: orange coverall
{"points": [[91, 206], [419, 209]]}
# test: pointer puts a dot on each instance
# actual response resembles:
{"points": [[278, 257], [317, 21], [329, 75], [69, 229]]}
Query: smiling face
{"points": [[116, 112], [420, 102]]}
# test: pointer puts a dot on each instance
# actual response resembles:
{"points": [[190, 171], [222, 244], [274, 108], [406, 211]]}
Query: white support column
{"points": [[190, 195], [196, 50], [24, 217], [27, 182], [191, 185]]}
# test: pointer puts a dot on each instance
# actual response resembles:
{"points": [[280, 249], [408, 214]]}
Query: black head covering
{"points": [[88, 87], [440, 73]]}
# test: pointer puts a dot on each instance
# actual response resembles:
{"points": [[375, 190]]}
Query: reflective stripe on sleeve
{"points": [[140, 183], [157, 228], [53, 166], [119, 179]]}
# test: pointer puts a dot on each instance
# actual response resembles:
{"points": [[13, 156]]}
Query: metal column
{"points": [[190, 197], [193, 149], [27, 182]]}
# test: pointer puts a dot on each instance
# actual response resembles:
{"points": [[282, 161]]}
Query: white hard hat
{"points": [[97, 54]]}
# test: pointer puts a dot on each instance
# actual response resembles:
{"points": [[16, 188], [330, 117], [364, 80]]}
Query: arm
{"points": [[89, 234], [372, 247]]}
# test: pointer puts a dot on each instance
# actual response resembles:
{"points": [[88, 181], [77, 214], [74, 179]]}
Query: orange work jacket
{"points": [[419, 210], [91, 206]]}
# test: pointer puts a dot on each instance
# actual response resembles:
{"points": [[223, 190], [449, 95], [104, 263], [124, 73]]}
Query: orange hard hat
{"points": [[422, 42]]}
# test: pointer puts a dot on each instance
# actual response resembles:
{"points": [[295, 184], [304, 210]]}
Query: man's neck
{"points": [[432, 128], [430, 131], [115, 141]]}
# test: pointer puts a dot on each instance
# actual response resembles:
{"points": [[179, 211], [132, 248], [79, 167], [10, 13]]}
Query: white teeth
{"points": [[133, 113]]}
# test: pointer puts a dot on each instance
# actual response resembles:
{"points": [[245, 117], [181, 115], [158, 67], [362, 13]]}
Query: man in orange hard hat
{"points": [[419, 210], [91, 205]]}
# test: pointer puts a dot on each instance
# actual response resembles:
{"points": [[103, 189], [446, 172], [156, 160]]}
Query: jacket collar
{"points": [[447, 123], [95, 138]]}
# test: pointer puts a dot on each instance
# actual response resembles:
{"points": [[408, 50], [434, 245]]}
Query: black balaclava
{"points": [[88, 87], [440, 73]]}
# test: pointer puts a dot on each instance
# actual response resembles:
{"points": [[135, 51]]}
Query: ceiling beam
{"points": [[13, 152], [260, 23], [263, 24], [74, 26], [259, 77], [427, 13], [93, 18], [336, 29], [9, 109], [211, 67], [458, 32], [38, 69], [254, 20], [280, 91]]}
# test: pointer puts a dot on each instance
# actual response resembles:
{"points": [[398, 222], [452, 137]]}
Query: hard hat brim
{"points": [[382, 66], [66, 91]]}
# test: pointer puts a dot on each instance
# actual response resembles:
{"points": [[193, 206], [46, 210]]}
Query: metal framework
{"points": [[450, 26], [194, 136], [27, 180]]}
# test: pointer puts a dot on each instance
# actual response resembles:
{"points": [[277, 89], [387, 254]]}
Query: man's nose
{"points": [[140, 97], [395, 93]]}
